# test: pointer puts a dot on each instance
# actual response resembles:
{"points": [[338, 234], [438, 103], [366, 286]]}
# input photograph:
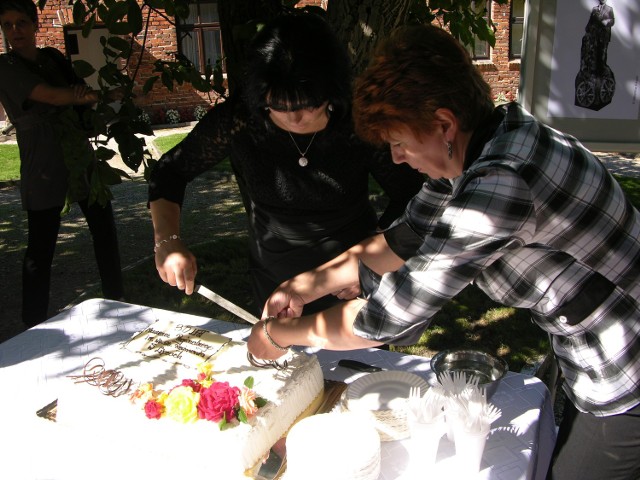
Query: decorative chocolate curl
{"points": [[110, 382], [266, 363]]}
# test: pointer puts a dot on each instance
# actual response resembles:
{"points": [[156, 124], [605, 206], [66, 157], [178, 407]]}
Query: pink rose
{"points": [[195, 386], [218, 402], [153, 409]]}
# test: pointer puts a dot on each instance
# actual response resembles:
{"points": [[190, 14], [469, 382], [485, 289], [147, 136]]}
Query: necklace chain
{"points": [[303, 161]]}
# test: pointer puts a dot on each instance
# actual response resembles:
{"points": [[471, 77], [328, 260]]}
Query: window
{"points": [[516, 29], [199, 37], [481, 50]]}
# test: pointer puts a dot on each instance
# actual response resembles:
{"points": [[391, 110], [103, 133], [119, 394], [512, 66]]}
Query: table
{"points": [[33, 364]]}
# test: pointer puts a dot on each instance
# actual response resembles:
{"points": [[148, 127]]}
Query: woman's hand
{"points": [[283, 303], [176, 265]]}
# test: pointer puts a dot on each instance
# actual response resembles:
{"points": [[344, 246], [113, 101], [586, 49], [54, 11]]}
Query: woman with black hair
{"points": [[302, 172]]}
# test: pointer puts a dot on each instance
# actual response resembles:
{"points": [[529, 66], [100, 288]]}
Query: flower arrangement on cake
{"points": [[202, 398]]}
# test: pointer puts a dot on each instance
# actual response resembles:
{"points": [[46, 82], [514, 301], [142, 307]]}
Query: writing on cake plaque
{"points": [[177, 343]]}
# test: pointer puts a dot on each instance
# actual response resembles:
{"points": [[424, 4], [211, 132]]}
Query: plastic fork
{"points": [[414, 402]]}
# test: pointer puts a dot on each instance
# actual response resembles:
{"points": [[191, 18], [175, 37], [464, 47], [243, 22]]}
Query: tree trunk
{"points": [[361, 23]]}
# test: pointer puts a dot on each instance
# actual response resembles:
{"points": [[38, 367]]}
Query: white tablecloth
{"points": [[33, 364]]}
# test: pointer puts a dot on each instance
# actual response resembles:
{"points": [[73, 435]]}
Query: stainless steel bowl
{"points": [[487, 368]]}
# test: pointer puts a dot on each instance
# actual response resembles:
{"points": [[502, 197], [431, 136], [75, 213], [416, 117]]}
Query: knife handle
{"points": [[358, 366]]}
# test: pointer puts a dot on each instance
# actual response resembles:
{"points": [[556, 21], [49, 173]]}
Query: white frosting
{"points": [[121, 430], [336, 446]]}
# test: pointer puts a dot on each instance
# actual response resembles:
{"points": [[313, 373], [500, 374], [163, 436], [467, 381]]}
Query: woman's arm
{"points": [[331, 329], [176, 265], [341, 272], [60, 96]]}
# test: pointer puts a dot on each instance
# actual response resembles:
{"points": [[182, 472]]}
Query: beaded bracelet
{"points": [[271, 340], [165, 240]]}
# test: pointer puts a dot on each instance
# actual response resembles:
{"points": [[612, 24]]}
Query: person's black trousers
{"points": [[43, 228], [597, 448]]}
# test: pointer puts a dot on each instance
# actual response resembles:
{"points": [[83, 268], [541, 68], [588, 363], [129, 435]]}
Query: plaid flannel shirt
{"points": [[537, 222]]}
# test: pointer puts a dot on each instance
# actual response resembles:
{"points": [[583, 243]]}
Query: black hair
{"points": [[26, 7], [296, 61]]}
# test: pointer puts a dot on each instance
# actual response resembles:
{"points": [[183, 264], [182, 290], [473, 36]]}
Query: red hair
{"points": [[414, 72]]}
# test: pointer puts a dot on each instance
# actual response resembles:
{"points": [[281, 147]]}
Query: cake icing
{"points": [[163, 356]]}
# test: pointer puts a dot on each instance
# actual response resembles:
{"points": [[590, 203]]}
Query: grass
{"points": [[167, 142], [9, 162]]}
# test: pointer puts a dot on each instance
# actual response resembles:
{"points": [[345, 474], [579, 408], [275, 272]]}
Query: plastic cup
{"points": [[469, 448], [424, 443], [453, 423]]}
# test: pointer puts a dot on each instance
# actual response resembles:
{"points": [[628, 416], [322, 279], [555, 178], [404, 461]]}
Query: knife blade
{"points": [[359, 366], [226, 304]]}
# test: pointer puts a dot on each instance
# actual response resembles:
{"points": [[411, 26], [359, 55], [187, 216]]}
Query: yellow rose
{"points": [[181, 405], [205, 374]]}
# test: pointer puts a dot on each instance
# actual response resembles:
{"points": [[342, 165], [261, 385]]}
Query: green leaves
{"points": [[465, 19], [134, 15]]}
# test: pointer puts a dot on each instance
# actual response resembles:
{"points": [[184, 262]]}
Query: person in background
{"points": [[523, 210], [37, 89], [302, 172]]}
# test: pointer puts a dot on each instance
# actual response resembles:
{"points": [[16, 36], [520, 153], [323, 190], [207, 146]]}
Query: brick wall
{"points": [[502, 74]]}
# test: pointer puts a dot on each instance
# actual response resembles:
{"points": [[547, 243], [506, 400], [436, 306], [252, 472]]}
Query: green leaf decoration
{"points": [[223, 425], [242, 416], [260, 402], [249, 382]]}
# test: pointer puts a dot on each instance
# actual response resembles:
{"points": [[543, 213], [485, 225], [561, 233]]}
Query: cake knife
{"points": [[226, 304], [243, 314], [359, 366]]}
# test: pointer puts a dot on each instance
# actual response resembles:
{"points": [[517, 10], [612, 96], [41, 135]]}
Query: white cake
{"points": [[345, 447], [119, 429]]}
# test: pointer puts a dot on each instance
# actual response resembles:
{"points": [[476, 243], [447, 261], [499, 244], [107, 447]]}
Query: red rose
{"points": [[195, 386], [153, 409], [218, 402]]}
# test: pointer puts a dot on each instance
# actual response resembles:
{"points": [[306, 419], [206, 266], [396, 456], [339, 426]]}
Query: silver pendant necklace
{"points": [[303, 161]]}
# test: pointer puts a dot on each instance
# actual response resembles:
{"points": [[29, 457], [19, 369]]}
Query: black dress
{"points": [[299, 217]]}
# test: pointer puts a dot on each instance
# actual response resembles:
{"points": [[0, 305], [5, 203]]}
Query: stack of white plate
{"points": [[382, 398]]}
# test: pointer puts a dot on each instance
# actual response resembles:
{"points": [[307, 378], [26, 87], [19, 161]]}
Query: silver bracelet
{"points": [[271, 340], [165, 240]]}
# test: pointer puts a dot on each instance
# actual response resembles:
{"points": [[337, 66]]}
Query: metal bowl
{"points": [[487, 368]]}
